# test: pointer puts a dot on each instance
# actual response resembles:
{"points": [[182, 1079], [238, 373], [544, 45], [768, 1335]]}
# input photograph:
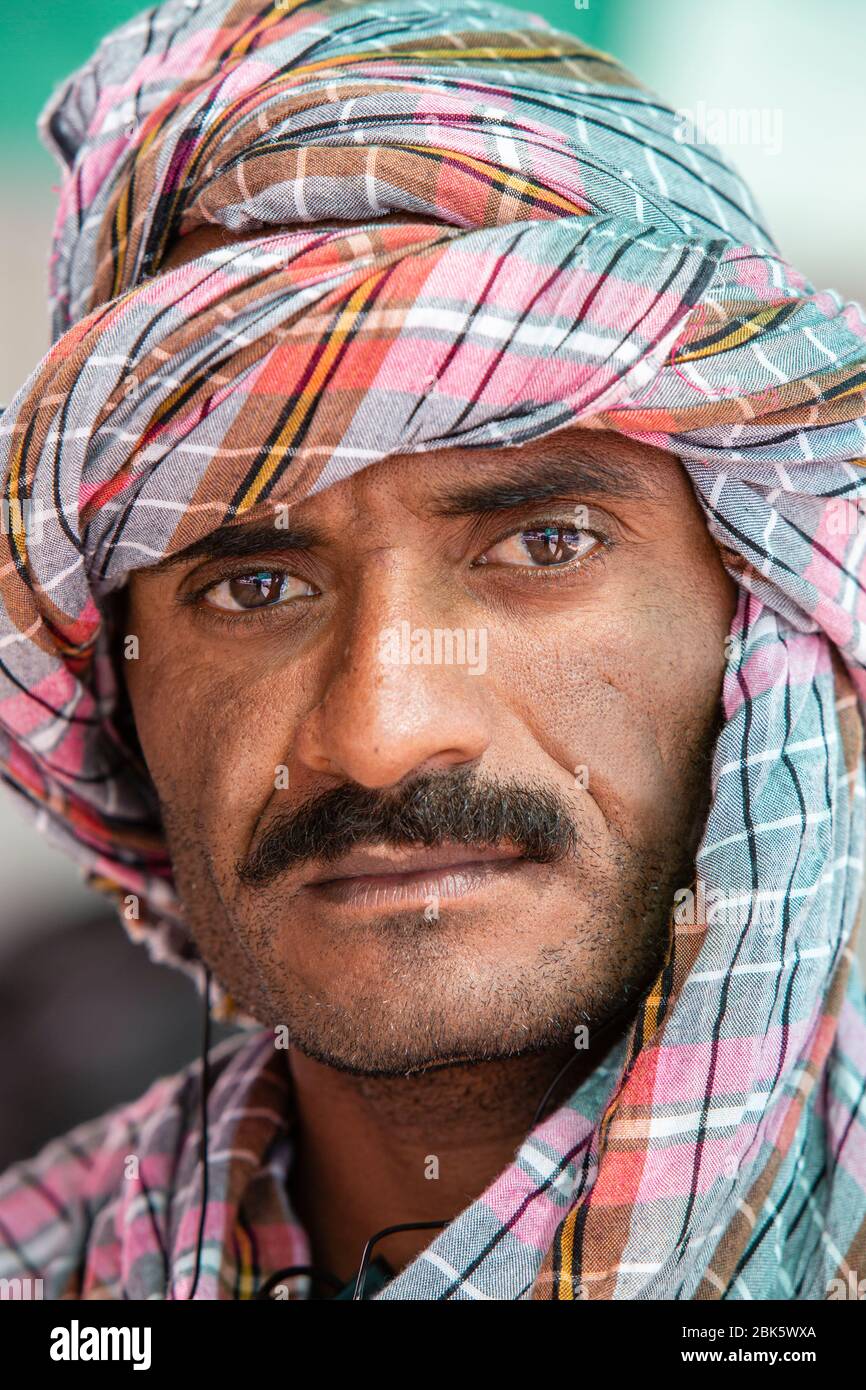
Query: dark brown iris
{"points": [[256, 590], [551, 545]]}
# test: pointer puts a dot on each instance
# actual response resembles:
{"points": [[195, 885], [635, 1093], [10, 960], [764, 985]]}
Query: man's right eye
{"points": [[257, 589]]}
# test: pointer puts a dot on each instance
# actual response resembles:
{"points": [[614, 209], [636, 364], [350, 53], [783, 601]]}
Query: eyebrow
{"points": [[237, 542], [520, 484], [544, 478]]}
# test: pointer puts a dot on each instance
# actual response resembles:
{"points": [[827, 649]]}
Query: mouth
{"points": [[423, 878]]}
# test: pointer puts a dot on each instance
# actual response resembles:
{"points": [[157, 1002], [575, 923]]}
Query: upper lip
{"points": [[384, 861]]}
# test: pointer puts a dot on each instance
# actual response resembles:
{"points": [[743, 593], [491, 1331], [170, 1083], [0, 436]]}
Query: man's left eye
{"points": [[541, 547], [258, 589]]}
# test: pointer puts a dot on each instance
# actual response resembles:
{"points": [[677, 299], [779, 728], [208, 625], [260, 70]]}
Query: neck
{"points": [[381, 1151]]}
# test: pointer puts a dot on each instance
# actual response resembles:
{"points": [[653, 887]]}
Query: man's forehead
{"points": [[593, 462], [573, 463]]}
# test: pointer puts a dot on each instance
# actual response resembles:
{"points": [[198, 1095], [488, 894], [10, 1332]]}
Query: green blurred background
{"points": [[82, 1001]]}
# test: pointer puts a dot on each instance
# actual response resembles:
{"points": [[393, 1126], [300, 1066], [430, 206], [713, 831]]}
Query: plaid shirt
{"points": [[112, 1210]]}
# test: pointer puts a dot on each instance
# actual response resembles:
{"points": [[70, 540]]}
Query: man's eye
{"points": [[541, 547], [259, 589]]}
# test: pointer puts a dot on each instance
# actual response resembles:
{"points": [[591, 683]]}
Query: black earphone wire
{"points": [[360, 1281], [291, 1271], [204, 1090], [627, 1008], [325, 1275]]}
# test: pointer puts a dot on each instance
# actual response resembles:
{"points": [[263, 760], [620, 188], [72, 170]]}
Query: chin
{"points": [[442, 1021], [414, 1056]]}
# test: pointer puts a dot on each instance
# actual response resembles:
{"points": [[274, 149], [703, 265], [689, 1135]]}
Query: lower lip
{"points": [[425, 889]]}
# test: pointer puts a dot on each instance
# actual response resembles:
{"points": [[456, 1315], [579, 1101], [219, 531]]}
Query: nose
{"points": [[389, 708]]}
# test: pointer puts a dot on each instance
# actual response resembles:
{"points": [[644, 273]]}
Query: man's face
{"points": [[433, 752]]}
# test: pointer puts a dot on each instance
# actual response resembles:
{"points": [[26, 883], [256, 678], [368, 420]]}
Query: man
{"points": [[432, 605]]}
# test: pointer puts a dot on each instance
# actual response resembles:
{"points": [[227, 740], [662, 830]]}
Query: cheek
{"points": [[623, 699], [215, 740]]}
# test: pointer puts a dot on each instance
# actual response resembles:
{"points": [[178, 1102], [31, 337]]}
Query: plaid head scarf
{"points": [[562, 252]]}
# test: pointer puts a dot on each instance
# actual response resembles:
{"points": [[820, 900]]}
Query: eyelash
{"points": [[552, 574], [252, 617], [543, 574]]}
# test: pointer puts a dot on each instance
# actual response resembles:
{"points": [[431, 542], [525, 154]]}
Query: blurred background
{"points": [[85, 1020]]}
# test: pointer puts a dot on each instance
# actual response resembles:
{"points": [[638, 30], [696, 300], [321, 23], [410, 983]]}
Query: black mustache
{"points": [[438, 808]]}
